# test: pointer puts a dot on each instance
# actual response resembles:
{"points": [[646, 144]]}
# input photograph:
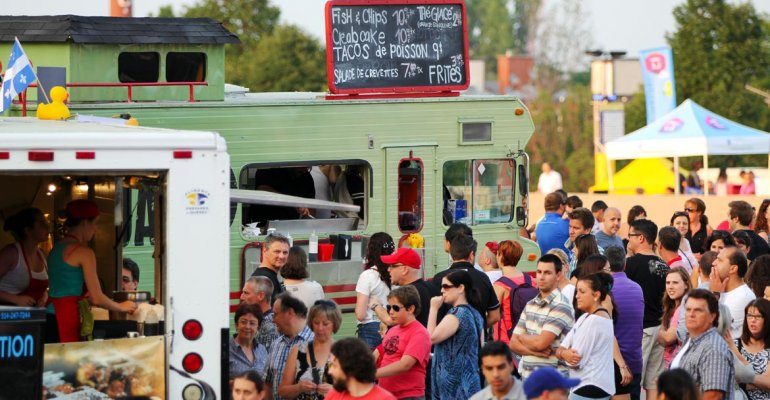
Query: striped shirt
{"points": [[552, 314], [279, 352], [710, 363]]}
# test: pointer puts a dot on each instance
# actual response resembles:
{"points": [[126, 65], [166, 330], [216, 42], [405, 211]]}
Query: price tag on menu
{"points": [[385, 46]]}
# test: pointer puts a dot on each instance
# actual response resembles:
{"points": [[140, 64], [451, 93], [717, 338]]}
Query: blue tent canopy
{"points": [[689, 130]]}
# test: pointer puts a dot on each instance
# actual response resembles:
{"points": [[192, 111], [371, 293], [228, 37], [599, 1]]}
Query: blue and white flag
{"points": [[18, 75], [659, 84]]}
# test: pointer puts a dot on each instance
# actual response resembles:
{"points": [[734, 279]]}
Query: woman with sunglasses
{"points": [[306, 375], [403, 356], [457, 339], [588, 347], [699, 224]]}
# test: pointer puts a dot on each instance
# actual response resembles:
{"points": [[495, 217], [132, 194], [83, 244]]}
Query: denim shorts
{"points": [[370, 334]]}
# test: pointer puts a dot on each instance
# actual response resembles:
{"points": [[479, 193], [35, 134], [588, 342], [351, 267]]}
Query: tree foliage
{"points": [[718, 49], [271, 56]]}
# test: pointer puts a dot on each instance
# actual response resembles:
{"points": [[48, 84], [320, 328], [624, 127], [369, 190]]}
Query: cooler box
{"points": [[21, 352]]}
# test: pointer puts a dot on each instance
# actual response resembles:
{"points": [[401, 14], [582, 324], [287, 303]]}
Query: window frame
{"points": [[158, 65], [461, 122], [420, 196], [205, 64], [368, 186], [471, 215]]}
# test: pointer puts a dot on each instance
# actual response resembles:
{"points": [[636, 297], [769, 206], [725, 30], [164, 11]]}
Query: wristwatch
{"points": [[374, 306]]}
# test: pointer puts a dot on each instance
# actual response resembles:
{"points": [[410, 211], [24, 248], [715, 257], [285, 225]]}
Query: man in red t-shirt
{"points": [[404, 352], [352, 371]]}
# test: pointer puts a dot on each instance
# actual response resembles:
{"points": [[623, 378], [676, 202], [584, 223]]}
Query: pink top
{"points": [[748, 188], [670, 351]]}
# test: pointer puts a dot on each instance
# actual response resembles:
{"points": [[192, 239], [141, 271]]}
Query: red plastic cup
{"points": [[325, 251]]}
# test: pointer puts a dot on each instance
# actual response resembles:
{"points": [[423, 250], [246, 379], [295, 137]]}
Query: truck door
{"points": [[410, 192]]}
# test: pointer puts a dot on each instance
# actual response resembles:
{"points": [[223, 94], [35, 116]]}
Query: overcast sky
{"points": [[615, 25]]}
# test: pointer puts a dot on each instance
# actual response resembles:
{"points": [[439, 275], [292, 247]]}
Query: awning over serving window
{"points": [[278, 199]]}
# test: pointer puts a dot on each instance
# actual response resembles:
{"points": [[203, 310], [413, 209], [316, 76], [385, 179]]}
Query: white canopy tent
{"points": [[688, 130]]}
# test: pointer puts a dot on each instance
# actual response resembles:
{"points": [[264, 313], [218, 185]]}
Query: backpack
{"points": [[519, 296]]}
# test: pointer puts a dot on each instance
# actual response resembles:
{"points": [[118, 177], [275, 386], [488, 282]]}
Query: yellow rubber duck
{"points": [[56, 109], [415, 241]]}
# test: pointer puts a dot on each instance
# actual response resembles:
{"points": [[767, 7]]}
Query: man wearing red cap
{"points": [[404, 268]]}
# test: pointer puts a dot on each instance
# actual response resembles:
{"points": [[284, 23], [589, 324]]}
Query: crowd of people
{"points": [[678, 311]]}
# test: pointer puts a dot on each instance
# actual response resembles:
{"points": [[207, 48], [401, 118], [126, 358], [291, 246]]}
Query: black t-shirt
{"points": [[426, 291], [480, 282], [268, 273], [758, 245], [650, 273]]}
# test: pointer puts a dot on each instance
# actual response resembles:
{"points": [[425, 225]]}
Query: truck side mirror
{"points": [[521, 211]]}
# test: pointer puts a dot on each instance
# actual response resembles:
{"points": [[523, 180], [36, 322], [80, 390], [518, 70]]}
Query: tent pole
{"points": [[611, 176], [676, 175], [705, 176]]}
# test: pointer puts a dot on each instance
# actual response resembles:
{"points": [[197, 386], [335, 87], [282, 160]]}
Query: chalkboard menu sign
{"points": [[386, 46]]}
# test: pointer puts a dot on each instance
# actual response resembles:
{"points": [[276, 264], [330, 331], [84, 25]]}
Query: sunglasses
{"points": [[634, 234], [690, 210], [447, 286], [395, 307]]}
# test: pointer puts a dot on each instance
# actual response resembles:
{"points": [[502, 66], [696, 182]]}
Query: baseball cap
{"points": [[546, 378], [403, 255], [82, 209]]}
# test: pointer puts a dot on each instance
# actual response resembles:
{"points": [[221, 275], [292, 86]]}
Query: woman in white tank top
{"points": [[23, 273]]}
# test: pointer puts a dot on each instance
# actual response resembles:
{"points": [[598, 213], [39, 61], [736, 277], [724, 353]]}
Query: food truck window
{"points": [[185, 67], [478, 192], [410, 198], [139, 66], [347, 183], [475, 132]]}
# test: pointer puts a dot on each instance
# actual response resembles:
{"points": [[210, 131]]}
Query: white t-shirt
{"points": [[549, 182], [370, 284], [494, 275], [593, 338], [568, 292], [736, 300], [675, 362], [307, 291]]}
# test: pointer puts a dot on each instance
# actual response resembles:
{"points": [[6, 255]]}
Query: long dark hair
{"points": [[18, 223], [380, 244], [586, 245], [463, 277], [760, 225], [634, 212], [670, 305], [758, 276]]}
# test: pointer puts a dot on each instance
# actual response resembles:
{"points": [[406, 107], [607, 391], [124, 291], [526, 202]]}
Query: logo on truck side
{"points": [[196, 201]]}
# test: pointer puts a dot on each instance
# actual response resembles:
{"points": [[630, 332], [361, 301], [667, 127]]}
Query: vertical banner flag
{"points": [[659, 86], [18, 75]]}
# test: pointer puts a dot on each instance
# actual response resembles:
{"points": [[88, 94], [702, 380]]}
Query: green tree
{"points": [[285, 60], [490, 31], [718, 49], [636, 111], [270, 57]]}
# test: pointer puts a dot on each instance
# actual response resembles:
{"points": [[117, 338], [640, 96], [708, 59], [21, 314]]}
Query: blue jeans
{"points": [[370, 334]]}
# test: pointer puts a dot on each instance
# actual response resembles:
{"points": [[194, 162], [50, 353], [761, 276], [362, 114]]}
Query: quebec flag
{"points": [[18, 75]]}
